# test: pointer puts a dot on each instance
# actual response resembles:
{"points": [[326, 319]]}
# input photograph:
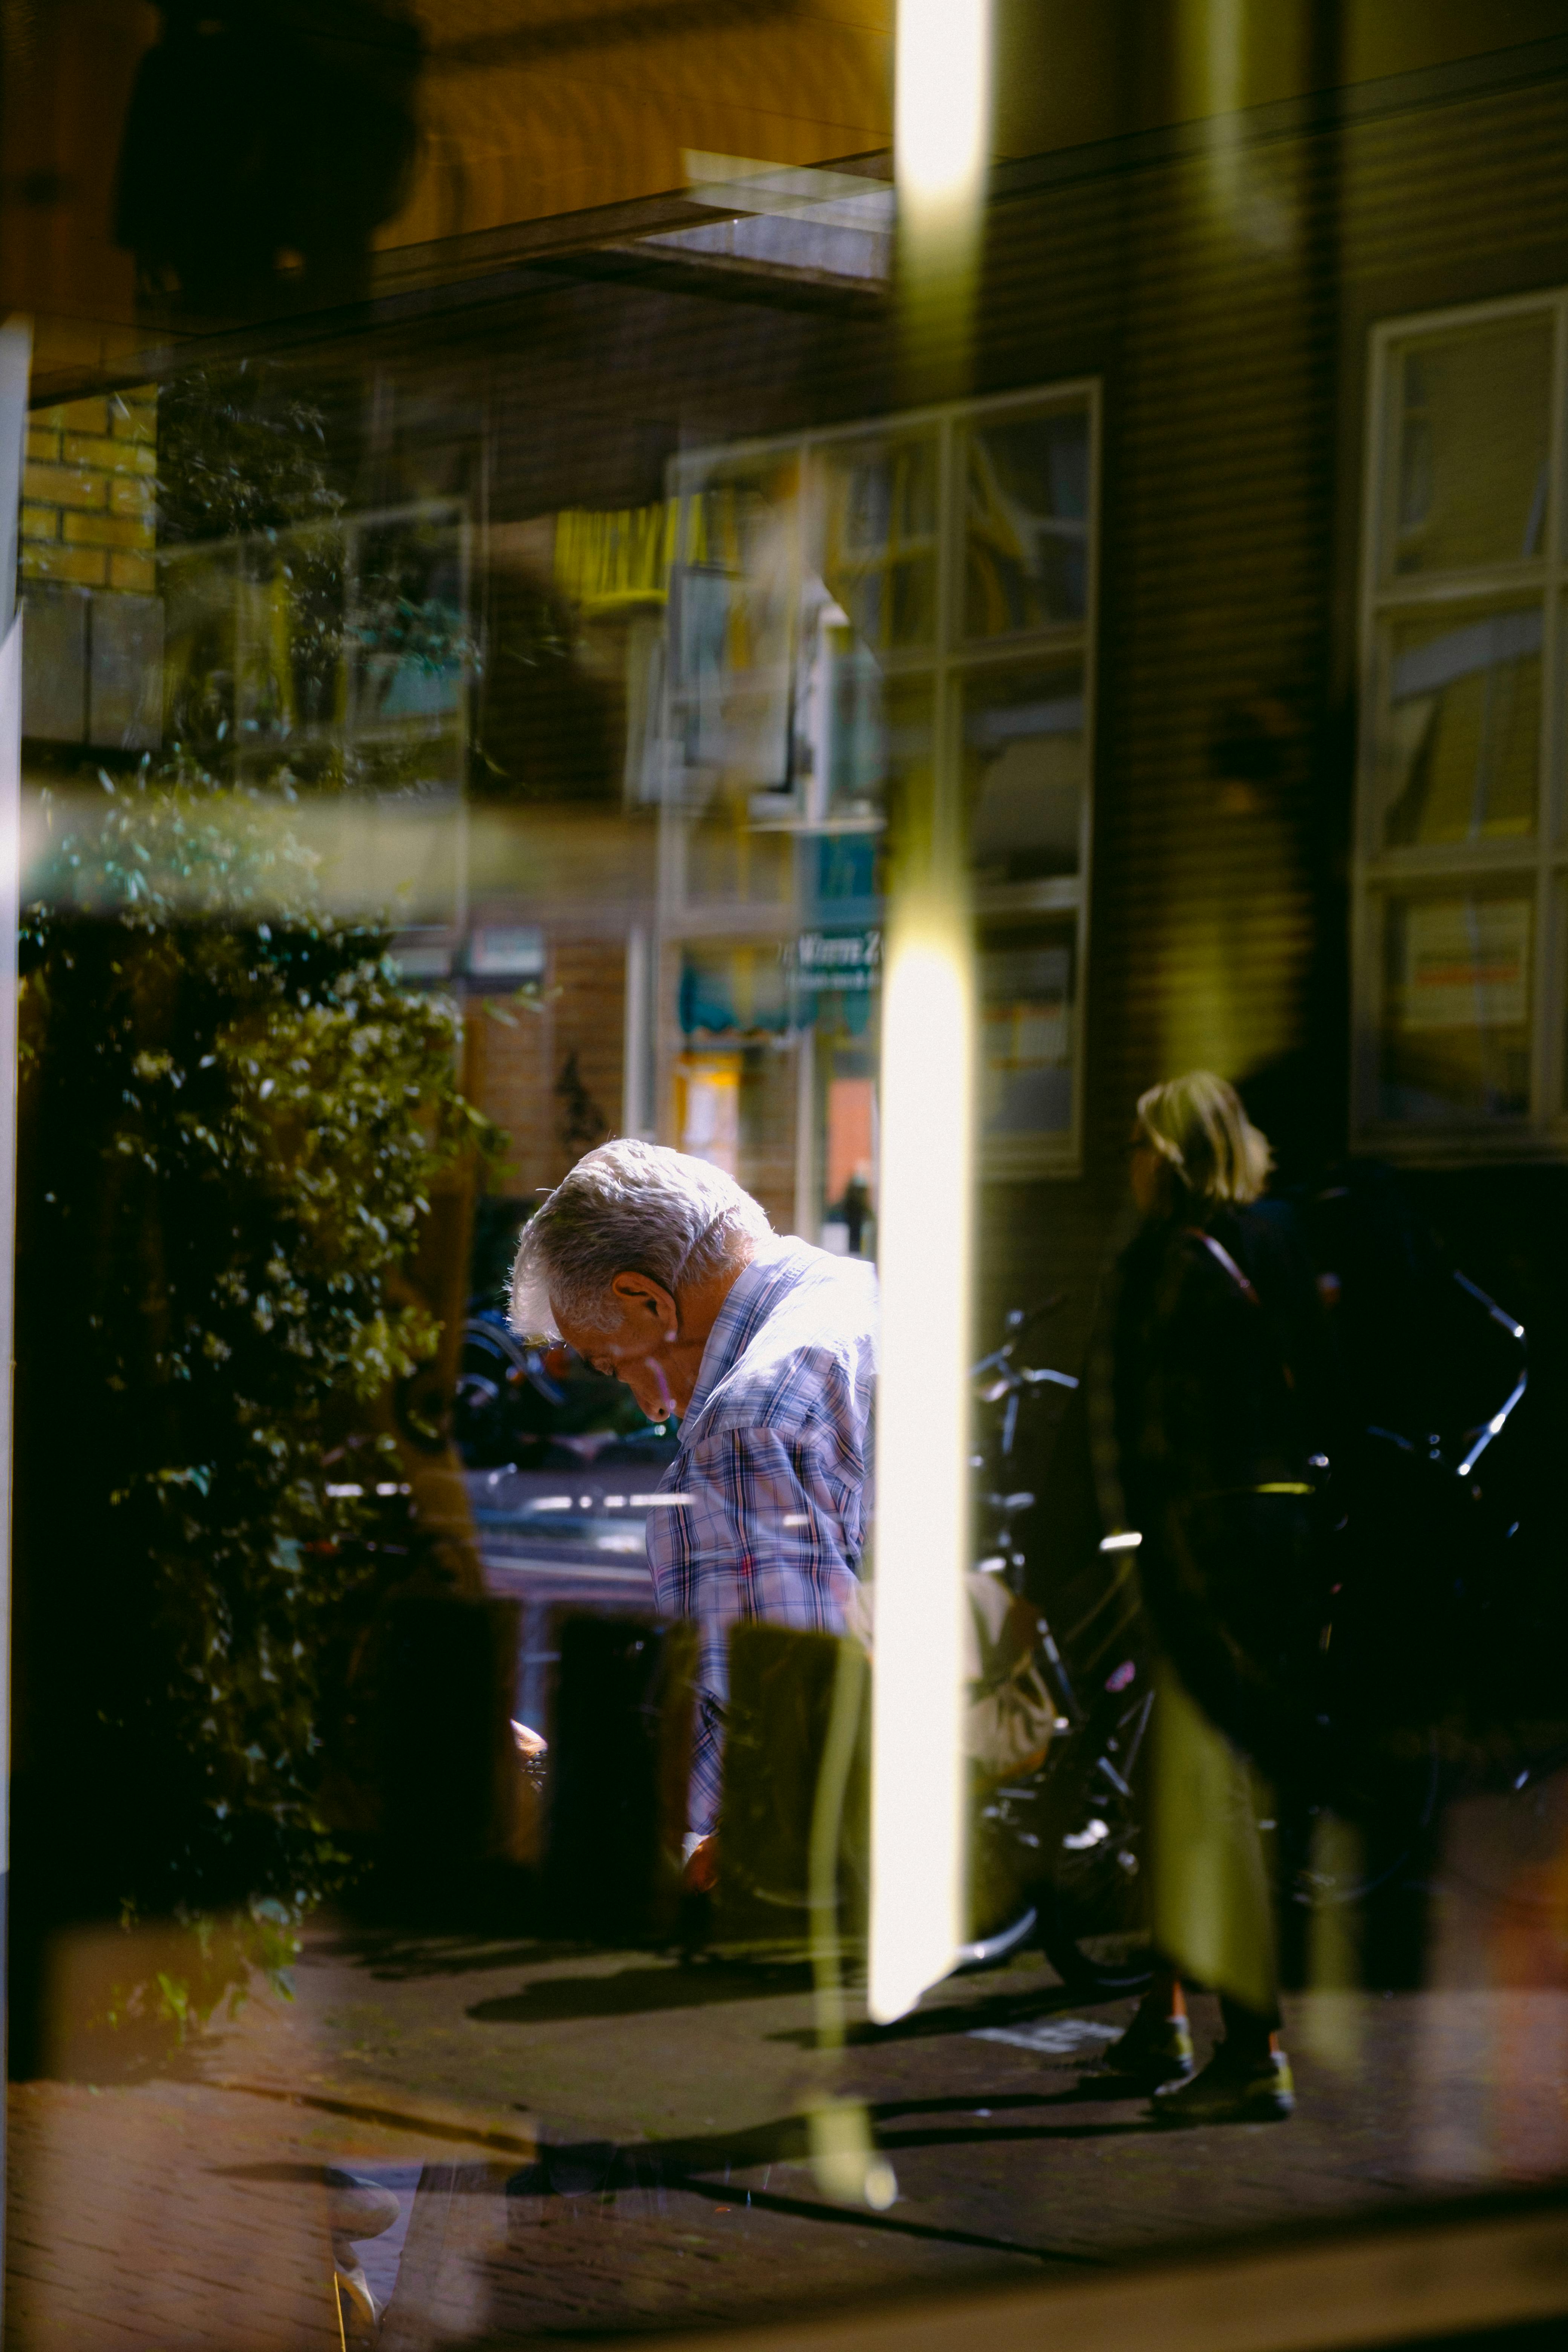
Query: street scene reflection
{"points": [[786, 814]]}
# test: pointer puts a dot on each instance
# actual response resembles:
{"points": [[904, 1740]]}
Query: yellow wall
{"points": [[561, 105], [86, 492], [533, 108]]}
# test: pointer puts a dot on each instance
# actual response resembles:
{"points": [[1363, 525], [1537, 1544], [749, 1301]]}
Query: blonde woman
{"points": [[1216, 1362]]}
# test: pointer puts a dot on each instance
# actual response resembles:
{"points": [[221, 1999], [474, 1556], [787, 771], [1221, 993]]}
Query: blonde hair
{"points": [[1209, 1149]]}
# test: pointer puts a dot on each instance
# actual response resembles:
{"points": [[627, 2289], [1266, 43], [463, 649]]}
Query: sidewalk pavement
{"points": [[587, 2141]]}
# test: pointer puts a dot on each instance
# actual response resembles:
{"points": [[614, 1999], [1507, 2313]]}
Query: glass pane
{"points": [[1024, 772], [878, 527], [845, 730], [734, 1105], [1467, 443], [407, 598], [1460, 725], [835, 963], [730, 858], [733, 620], [1025, 523], [525, 732], [1026, 998], [1456, 1008]]}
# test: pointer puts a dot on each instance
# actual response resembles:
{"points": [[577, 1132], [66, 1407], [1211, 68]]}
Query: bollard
{"points": [[782, 1692], [620, 1757]]}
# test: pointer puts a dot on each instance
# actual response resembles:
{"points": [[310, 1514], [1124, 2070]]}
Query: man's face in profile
{"points": [[650, 1339], [637, 1340]]}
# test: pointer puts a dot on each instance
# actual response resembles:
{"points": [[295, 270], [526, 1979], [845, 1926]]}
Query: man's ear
{"points": [[644, 1297]]}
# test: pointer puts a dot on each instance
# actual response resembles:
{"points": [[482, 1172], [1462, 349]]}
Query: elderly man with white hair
{"points": [[658, 1269]]}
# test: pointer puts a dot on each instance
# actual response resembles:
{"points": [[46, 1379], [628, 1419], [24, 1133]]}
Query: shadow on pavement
{"points": [[635, 1992], [955, 2017]]}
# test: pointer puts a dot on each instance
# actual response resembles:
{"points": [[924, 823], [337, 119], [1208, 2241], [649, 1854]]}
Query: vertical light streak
{"points": [[941, 116], [919, 1777], [1225, 32], [916, 1758], [942, 107]]}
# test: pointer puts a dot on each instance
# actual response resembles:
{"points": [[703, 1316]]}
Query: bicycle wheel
{"points": [[1092, 1895]]}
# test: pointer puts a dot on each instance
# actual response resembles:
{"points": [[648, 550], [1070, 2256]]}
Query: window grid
{"points": [[1536, 860], [946, 662]]}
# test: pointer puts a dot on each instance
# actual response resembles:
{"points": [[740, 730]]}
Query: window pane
{"points": [[733, 1106], [1023, 767], [728, 859], [1467, 438], [733, 624], [1456, 1015], [835, 963], [1027, 523], [847, 732], [1460, 725], [878, 527], [1026, 998]]}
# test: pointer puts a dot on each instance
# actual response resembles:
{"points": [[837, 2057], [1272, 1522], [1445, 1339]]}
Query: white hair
{"points": [[629, 1208]]}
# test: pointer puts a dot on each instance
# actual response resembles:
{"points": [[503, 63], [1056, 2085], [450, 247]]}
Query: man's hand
{"points": [[700, 1874]]}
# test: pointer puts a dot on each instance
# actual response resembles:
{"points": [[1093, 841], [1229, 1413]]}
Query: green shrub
{"points": [[232, 1115]]}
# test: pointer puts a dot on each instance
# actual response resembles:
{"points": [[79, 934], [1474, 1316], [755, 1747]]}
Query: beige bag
{"points": [[1011, 1717]]}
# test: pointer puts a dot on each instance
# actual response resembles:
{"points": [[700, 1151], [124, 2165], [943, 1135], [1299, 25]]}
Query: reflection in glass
{"points": [[407, 598], [836, 975], [1468, 416], [341, 648], [1027, 515], [732, 625], [879, 528], [840, 729], [1457, 1012], [1027, 994], [1461, 724], [1023, 766], [463, 729], [733, 1084], [728, 859]]}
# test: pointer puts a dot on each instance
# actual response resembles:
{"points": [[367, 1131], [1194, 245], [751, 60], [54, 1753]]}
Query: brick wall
{"points": [[507, 1070], [591, 1025], [513, 1059], [88, 492]]}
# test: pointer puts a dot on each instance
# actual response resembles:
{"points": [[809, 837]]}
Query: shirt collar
{"points": [[773, 1273]]}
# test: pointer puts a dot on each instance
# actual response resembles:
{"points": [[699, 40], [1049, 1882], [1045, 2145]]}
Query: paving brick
{"points": [[88, 567], [107, 530], [40, 522], [114, 456], [162, 2216], [65, 486], [137, 572], [43, 447]]}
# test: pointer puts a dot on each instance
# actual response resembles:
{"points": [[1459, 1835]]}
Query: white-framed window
{"points": [[1461, 858], [848, 607]]}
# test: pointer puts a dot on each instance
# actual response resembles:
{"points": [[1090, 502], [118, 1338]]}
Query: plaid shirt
{"points": [[769, 1494]]}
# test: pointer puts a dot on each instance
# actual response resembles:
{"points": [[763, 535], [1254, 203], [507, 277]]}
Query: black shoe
{"points": [[1153, 2050], [1232, 2089]]}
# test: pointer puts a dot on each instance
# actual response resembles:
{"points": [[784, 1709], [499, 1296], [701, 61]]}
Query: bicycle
{"points": [[1067, 1835], [1071, 1832]]}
